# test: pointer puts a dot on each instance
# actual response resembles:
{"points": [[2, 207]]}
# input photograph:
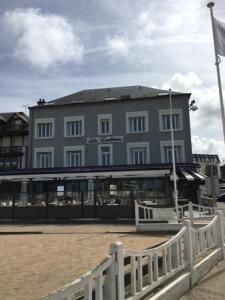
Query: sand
{"points": [[32, 265]]}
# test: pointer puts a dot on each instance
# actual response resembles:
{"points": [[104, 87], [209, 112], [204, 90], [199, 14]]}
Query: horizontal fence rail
{"points": [[145, 214], [205, 238], [149, 268], [97, 283], [128, 274]]}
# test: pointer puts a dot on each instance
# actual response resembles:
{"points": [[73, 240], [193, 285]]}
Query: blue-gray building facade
{"points": [[110, 126]]}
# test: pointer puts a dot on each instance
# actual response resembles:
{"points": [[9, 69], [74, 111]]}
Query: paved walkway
{"points": [[210, 287]]}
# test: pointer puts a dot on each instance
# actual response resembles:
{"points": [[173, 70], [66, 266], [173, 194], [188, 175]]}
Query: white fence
{"points": [[132, 275], [145, 214]]}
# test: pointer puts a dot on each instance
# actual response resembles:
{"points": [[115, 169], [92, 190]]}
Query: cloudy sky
{"points": [[53, 48]]}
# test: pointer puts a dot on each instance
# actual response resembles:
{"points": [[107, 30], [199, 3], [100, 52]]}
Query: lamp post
{"points": [[173, 155]]}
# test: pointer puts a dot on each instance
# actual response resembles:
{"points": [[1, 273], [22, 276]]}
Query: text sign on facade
{"points": [[105, 139]]}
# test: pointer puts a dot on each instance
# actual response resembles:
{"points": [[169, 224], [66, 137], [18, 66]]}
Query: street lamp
{"points": [[192, 106], [173, 156]]}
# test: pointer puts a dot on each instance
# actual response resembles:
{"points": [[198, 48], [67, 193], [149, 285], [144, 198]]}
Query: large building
{"points": [[99, 150], [111, 126]]}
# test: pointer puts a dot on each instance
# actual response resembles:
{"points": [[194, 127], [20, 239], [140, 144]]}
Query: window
{"points": [[138, 153], [166, 151], [74, 126], [105, 155], [44, 128], [105, 124], [43, 157], [137, 122], [17, 123], [73, 156], [164, 117]]}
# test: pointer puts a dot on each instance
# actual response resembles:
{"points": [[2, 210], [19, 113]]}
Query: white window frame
{"points": [[103, 117], [44, 121], [167, 112], [74, 148], [100, 151], [169, 143], [73, 119], [134, 114], [44, 149], [138, 145]]}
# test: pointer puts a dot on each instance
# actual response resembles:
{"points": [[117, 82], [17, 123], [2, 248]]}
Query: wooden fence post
{"points": [[110, 278], [190, 207], [220, 232], [117, 248], [188, 248], [136, 214]]}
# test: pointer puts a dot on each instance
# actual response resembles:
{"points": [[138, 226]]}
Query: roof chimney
{"points": [[41, 101]]}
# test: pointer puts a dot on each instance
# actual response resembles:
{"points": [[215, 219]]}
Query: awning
{"points": [[199, 176], [88, 175], [188, 176]]}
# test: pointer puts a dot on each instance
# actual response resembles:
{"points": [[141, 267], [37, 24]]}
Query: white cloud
{"points": [[42, 40], [146, 25], [118, 45], [208, 146], [206, 122], [207, 99], [183, 83]]}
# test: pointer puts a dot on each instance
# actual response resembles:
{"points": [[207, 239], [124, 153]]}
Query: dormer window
{"points": [[17, 123]]}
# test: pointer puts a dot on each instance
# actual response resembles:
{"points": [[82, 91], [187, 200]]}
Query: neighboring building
{"points": [[205, 159], [14, 128]]}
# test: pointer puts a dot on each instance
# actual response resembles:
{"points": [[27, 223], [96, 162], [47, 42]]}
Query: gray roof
{"points": [[6, 116], [110, 94], [205, 157]]}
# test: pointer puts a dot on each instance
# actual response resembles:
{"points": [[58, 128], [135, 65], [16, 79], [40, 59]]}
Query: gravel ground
{"points": [[35, 264]]}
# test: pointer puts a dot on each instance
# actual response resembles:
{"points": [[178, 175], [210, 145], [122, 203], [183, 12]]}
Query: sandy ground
{"points": [[32, 265]]}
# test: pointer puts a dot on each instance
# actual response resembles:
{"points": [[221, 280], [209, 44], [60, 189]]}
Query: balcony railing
{"points": [[14, 127], [13, 150]]}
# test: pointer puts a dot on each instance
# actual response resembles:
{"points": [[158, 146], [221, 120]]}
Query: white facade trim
{"points": [[43, 149], [44, 121], [169, 143], [74, 148], [102, 117], [167, 112], [137, 145], [71, 119], [137, 114], [99, 153]]}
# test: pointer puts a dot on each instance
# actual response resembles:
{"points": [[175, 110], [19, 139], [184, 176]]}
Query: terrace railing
{"points": [[145, 214], [149, 268], [98, 283], [129, 274]]}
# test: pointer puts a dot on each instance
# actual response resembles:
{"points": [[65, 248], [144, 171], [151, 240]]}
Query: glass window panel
{"points": [[74, 158], [105, 156], [44, 130], [177, 153], [44, 159], [138, 155], [175, 121], [104, 126], [74, 128], [137, 124]]}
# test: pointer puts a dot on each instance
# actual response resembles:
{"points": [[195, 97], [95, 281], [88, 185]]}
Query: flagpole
{"points": [[210, 6]]}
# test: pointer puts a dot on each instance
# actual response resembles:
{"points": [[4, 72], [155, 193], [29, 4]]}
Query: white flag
{"points": [[219, 37]]}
